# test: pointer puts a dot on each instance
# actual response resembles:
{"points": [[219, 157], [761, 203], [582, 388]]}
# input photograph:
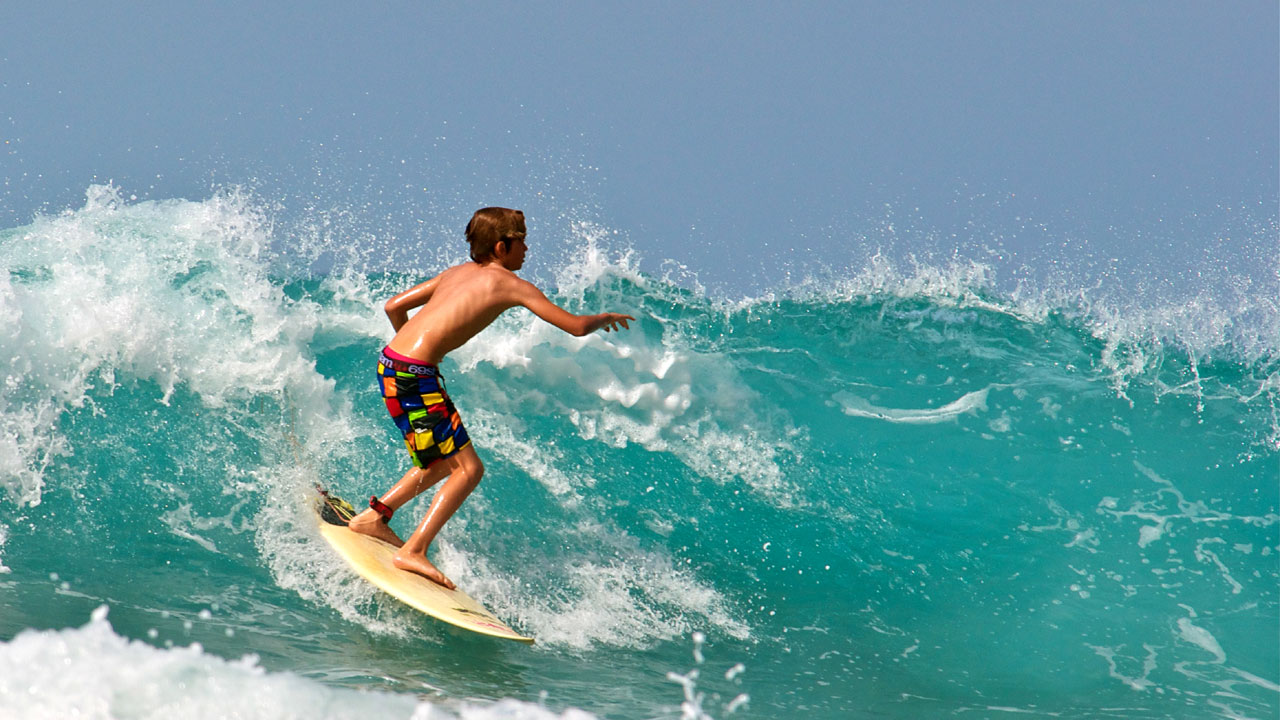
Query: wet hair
{"points": [[490, 226]]}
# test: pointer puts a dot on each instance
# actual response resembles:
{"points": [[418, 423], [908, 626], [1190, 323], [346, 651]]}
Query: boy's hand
{"points": [[611, 321]]}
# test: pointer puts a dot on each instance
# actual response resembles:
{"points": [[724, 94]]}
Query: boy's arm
{"points": [[399, 306], [528, 295]]}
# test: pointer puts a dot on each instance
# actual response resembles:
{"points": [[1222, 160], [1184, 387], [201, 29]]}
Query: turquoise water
{"points": [[897, 493]]}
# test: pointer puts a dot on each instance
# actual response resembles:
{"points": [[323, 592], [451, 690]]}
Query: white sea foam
{"points": [[1196, 635], [1114, 660], [858, 407], [91, 672], [1155, 512], [159, 292], [301, 561], [633, 388], [178, 294], [631, 601], [1140, 322], [592, 260], [602, 587], [4, 537]]}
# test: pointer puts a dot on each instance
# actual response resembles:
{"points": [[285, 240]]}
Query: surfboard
{"points": [[371, 559]]}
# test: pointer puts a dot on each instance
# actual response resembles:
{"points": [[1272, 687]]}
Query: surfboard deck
{"points": [[371, 558]]}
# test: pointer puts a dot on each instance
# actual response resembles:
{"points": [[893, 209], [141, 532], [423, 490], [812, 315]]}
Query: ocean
{"points": [[909, 490]]}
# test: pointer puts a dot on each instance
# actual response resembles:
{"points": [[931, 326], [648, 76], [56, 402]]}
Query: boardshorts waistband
{"points": [[392, 359]]}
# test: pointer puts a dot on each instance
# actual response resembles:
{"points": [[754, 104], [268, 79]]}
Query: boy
{"points": [[456, 304]]}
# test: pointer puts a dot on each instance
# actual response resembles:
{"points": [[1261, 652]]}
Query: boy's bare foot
{"points": [[370, 523], [419, 564]]}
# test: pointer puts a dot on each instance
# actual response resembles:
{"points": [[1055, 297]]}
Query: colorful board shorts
{"points": [[415, 396]]}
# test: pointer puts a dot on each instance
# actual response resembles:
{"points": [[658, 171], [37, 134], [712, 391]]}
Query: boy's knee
{"points": [[474, 470]]}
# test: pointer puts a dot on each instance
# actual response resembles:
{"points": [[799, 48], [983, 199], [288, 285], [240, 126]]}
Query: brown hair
{"points": [[491, 225]]}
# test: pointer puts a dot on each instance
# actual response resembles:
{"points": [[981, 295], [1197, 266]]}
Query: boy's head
{"points": [[490, 226]]}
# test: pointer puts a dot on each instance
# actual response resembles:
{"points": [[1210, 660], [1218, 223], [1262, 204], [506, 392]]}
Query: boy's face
{"points": [[514, 258]]}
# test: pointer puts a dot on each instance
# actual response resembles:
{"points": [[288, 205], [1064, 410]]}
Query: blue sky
{"points": [[721, 135]]}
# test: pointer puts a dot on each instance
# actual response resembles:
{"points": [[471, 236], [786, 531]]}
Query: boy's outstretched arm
{"points": [[528, 295], [399, 306]]}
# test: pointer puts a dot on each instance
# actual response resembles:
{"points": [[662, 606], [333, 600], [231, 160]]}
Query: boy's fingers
{"points": [[618, 319]]}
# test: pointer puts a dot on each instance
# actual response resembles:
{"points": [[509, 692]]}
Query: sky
{"points": [[731, 137]]}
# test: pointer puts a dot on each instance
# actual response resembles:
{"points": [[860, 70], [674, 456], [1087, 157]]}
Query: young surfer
{"points": [[456, 304]]}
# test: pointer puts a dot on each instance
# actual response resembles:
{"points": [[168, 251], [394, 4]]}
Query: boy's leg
{"points": [[407, 488], [465, 473]]}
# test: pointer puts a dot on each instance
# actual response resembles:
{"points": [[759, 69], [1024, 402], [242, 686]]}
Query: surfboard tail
{"points": [[333, 509]]}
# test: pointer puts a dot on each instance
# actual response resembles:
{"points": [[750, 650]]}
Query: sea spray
{"points": [[92, 672], [693, 705]]}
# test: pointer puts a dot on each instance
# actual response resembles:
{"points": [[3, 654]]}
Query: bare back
{"points": [[464, 300]]}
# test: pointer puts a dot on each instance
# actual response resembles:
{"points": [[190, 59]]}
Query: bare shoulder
{"points": [[502, 279], [459, 270], [519, 290], [463, 275]]}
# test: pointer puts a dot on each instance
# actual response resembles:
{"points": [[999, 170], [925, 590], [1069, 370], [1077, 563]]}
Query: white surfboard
{"points": [[371, 559]]}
